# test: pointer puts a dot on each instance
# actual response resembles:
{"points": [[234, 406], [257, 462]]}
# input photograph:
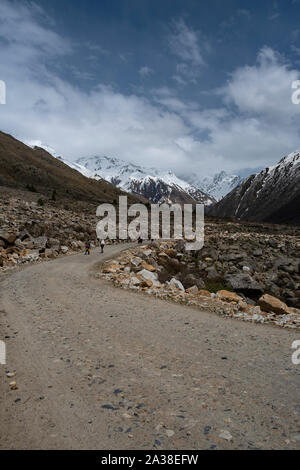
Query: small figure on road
{"points": [[88, 248], [102, 243]]}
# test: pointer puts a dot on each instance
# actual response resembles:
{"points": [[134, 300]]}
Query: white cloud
{"points": [[145, 71], [264, 88], [20, 27], [183, 42]]}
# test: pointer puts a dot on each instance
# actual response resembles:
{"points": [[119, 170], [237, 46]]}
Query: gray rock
{"points": [[148, 275], [244, 283], [212, 273], [258, 252], [174, 282], [40, 243], [233, 257], [53, 243], [136, 261], [191, 280], [8, 237]]}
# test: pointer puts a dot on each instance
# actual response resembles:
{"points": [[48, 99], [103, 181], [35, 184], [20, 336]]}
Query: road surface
{"points": [[103, 368]]}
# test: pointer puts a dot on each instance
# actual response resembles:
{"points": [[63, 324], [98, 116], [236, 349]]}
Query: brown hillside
{"points": [[22, 167]]}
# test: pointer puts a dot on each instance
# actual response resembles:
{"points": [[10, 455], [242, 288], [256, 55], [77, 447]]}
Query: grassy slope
{"points": [[21, 166]]}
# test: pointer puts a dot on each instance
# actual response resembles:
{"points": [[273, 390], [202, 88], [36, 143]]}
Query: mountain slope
{"points": [[22, 167], [273, 195], [154, 184], [218, 185]]}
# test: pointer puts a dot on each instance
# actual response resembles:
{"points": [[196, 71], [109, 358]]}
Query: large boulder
{"points": [[245, 284], [192, 290], [212, 274], [204, 293], [23, 235], [148, 266], [8, 237], [145, 274], [191, 280], [134, 281], [53, 243], [227, 296], [146, 283], [40, 243], [268, 303], [28, 243], [136, 261], [164, 276], [50, 253], [111, 268], [174, 282]]}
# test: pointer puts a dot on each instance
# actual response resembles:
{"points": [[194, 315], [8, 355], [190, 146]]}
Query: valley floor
{"points": [[103, 368]]}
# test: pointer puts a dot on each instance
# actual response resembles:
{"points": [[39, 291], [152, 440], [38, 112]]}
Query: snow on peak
{"points": [[132, 177], [145, 181], [217, 185]]}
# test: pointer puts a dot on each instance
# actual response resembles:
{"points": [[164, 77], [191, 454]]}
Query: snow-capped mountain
{"points": [[218, 185], [154, 184], [273, 195]]}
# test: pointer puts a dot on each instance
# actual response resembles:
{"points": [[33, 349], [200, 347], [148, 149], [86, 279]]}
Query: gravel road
{"points": [[103, 368]]}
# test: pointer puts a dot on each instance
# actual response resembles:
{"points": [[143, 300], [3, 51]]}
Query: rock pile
{"points": [[30, 232], [165, 270]]}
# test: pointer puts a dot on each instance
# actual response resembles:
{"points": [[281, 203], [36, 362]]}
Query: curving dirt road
{"points": [[103, 368]]}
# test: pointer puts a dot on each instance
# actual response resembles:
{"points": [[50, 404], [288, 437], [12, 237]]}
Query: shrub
{"points": [[215, 286]]}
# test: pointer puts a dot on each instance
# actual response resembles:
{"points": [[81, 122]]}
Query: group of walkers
{"points": [[88, 247]]}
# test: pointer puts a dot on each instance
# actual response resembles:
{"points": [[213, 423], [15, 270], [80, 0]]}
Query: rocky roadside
{"points": [[166, 270], [30, 232]]}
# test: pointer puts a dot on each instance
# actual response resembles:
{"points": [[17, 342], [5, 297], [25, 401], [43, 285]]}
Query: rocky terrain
{"points": [[248, 259], [273, 195], [33, 229], [46, 207], [250, 272]]}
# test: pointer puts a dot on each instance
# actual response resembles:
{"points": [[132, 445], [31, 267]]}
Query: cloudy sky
{"points": [[194, 86]]}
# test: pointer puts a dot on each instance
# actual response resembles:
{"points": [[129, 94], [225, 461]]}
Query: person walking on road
{"points": [[88, 248], [102, 243]]}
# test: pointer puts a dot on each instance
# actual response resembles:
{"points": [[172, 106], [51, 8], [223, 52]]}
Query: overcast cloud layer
{"points": [[252, 122]]}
